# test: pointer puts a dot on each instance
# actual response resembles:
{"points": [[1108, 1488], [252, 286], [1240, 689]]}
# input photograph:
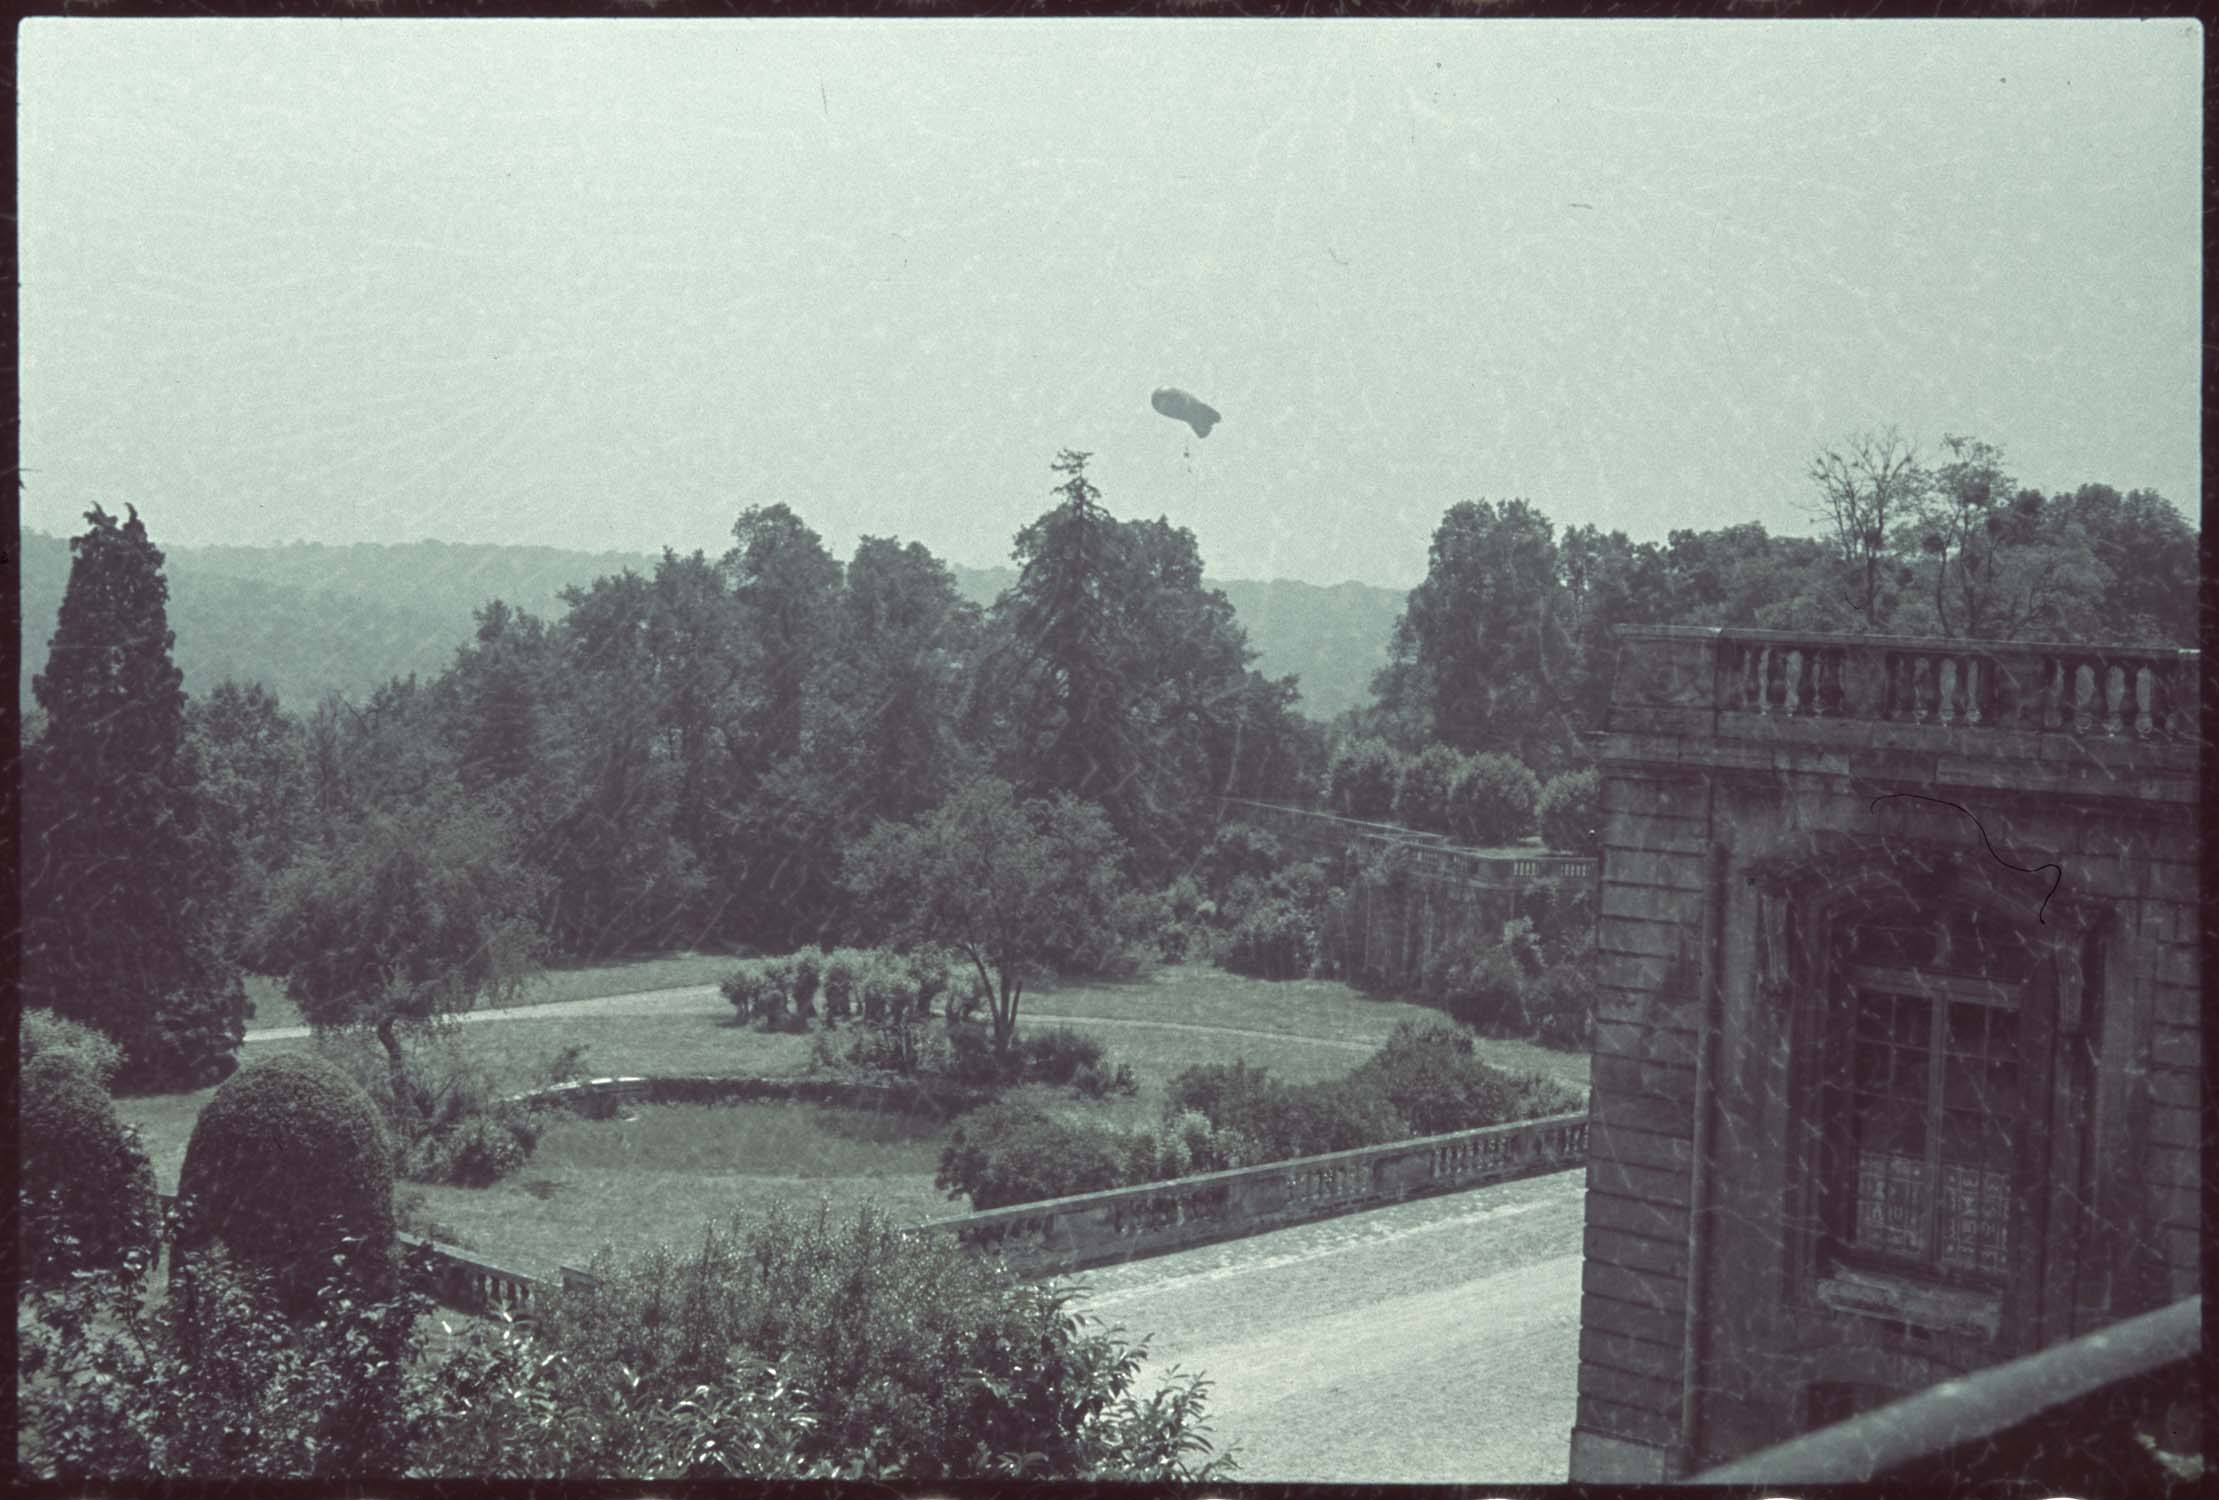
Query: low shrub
{"points": [[85, 1197], [1009, 1152], [1570, 810], [1099, 1080], [1278, 1120], [1056, 1054], [43, 1032], [1560, 1005], [1436, 1084], [1493, 801], [1480, 986], [1273, 940]]}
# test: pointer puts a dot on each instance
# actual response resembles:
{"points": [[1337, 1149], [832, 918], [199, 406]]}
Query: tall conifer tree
{"points": [[121, 920]]}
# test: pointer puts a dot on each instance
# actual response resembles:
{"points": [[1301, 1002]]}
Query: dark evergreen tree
{"points": [[1074, 734], [122, 914]]}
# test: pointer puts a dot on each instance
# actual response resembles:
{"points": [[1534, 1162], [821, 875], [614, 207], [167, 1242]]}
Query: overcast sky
{"points": [[604, 284]]}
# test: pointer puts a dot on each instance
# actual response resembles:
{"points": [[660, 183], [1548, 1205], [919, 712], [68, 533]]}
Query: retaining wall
{"points": [[1061, 1235]]}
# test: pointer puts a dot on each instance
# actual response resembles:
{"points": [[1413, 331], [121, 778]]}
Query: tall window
{"points": [[1923, 1109]]}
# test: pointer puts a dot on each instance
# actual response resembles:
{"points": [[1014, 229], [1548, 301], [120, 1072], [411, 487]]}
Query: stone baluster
{"points": [[1762, 666], [2084, 697], [1791, 682], [1972, 676], [2145, 700], [2114, 697], [1945, 691], [1826, 684], [1923, 688]]}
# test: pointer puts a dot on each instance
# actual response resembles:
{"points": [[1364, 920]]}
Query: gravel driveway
{"points": [[1431, 1342]]}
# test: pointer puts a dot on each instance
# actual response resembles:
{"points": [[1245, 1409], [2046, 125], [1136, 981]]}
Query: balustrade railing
{"points": [[1092, 1229], [2089, 692], [1429, 854]]}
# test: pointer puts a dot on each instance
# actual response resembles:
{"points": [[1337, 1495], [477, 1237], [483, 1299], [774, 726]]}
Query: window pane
{"points": [[1891, 1203]]}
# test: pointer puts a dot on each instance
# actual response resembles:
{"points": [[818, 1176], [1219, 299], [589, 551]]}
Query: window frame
{"points": [[1853, 985]]}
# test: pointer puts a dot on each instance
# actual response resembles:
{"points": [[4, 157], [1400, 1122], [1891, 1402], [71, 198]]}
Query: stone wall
{"points": [[1750, 780], [1440, 894]]}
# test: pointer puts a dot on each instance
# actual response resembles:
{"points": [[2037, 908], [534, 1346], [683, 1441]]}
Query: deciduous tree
{"points": [[1002, 882], [411, 917]]}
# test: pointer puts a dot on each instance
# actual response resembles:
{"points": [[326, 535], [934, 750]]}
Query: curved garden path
{"points": [[691, 998]]}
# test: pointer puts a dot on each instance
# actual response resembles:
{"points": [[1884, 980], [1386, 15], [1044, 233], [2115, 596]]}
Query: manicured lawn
{"points": [[659, 1174], [1321, 1009]]}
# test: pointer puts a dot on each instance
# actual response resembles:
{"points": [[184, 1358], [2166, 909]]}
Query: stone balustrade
{"points": [[1755, 678], [1094, 1229], [1427, 855]]}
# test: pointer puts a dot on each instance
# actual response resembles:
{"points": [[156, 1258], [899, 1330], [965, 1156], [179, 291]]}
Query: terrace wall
{"points": [[1443, 894]]}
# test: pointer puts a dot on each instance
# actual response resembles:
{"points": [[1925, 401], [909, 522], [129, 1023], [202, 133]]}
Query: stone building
{"points": [[1897, 1068]]}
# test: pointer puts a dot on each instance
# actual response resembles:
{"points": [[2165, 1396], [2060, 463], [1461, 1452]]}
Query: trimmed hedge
{"points": [[287, 1162], [86, 1198]]}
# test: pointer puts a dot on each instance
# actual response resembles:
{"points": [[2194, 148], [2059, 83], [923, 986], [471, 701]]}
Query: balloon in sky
{"points": [[1180, 406]]}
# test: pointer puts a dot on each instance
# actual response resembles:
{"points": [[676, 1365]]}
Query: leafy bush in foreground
{"points": [[918, 1360], [223, 1384], [86, 1199]]}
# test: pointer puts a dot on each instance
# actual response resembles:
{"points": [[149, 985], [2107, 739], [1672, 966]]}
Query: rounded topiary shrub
{"points": [[1493, 802], [1571, 813], [286, 1164], [1422, 796], [86, 1197]]}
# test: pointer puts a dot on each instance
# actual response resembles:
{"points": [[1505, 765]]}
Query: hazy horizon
{"points": [[602, 285]]}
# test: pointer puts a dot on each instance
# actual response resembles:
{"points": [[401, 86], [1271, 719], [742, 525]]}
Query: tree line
{"points": [[684, 757], [1506, 646]]}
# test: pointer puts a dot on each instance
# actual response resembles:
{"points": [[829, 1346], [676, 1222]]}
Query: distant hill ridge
{"points": [[308, 617]]}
